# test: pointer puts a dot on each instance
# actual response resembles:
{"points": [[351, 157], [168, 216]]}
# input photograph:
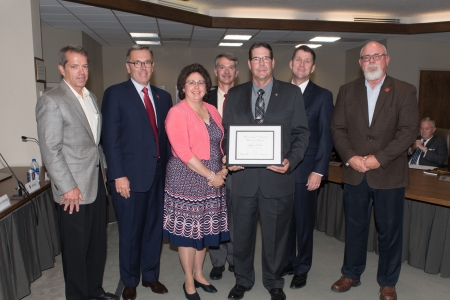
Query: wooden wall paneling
{"points": [[434, 96]]}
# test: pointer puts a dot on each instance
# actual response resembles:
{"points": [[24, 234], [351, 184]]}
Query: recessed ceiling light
{"points": [[309, 45], [237, 37], [325, 39], [148, 42], [230, 44], [143, 35]]}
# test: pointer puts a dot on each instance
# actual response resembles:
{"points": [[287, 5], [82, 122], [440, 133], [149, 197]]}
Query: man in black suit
{"points": [[428, 150], [270, 190], [225, 68], [311, 171]]}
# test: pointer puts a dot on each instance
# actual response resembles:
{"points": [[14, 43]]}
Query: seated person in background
{"points": [[428, 150]]}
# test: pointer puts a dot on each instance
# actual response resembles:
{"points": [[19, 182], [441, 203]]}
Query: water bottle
{"points": [[35, 167]]}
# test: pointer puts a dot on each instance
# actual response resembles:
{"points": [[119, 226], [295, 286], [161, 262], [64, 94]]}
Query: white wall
{"points": [[17, 78], [409, 57]]}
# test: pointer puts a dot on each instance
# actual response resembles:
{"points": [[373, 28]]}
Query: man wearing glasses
{"points": [[373, 125], [267, 190], [137, 150]]}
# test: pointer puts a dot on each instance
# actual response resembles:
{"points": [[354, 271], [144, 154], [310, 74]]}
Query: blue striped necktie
{"points": [[416, 155]]}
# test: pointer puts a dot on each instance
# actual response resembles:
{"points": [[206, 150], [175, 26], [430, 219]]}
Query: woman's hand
{"points": [[218, 179]]}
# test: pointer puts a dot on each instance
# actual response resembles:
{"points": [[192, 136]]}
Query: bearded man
{"points": [[373, 125]]}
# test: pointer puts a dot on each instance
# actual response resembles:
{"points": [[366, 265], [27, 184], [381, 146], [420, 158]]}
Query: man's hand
{"points": [[371, 162], [123, 187], [71, 199], [357, 163], [418, 144], [314, 181], [278, 169]]}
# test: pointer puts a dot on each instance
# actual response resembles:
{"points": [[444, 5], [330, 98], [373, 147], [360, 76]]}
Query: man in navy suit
{"points": [[428, 149], [225, 68], [137, 149], [311, 171]]}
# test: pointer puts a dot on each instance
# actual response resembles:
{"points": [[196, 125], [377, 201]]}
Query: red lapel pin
{"points": [[387, 90], [157, 96]]}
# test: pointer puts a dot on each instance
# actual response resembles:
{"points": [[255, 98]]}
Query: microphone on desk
{"points": [[26, 139], [20, 189]]}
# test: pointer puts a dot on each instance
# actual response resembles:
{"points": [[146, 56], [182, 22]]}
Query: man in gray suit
{"points": [[69, 122], [270, 190]]}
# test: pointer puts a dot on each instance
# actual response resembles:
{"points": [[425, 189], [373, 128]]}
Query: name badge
{"points": [[32, 186], [4, 202]]}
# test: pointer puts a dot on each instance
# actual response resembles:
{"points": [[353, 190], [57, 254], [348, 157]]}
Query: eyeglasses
{"points": [[193, 83], [139, 64], [256, 60], [376, 57]]}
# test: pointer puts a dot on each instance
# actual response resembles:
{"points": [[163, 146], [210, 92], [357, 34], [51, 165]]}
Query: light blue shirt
{"points": [[139, 88], [372, 96]]}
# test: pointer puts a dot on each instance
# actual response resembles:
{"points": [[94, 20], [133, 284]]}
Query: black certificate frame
{"points": [[236, 141]]}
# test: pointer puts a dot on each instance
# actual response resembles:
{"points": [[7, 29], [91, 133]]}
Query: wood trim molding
{"points": [[173, 14]]}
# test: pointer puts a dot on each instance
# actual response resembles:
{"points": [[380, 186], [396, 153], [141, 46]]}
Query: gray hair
{"points": [[62, 57], [227, 55], [384, 47], [428, 119], [138, 47]]}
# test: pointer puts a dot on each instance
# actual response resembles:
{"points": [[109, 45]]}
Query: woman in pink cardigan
{"points": [[195, 212]]}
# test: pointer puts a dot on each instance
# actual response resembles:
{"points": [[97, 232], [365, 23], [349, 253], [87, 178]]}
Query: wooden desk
{"points": [[422, 187], [27, 247], [426, 224], [8, 186]]}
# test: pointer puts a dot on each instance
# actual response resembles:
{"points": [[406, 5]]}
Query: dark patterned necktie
{"points": [[416, 155], [259, 107], [224, 101]]}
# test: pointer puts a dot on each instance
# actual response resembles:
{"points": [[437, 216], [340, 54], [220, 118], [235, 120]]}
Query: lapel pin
{"points": [[157, 96], [387, 90], [276, 94]]}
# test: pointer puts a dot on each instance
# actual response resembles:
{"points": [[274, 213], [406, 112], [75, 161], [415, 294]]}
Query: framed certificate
{"points": [[39, 67], [255, 145]]}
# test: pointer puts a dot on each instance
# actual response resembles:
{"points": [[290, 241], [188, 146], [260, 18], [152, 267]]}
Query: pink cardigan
{"points": [[187, 133]]}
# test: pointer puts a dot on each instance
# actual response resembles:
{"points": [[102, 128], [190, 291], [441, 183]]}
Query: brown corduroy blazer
{"points": [[393, 130]]}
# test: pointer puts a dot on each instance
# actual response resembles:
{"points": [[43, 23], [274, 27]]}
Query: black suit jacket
{"points": [[285, 107], [319, 111], [437, 152], [212, 96]]}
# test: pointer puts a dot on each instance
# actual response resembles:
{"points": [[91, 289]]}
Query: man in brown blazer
{"points": [[373, 125]]}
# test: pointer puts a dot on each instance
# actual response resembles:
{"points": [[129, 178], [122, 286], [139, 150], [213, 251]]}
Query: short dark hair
{"points": [[138, 47], [258, 45], [306, 49], [227, 55], [188, 70], [62, 57]]}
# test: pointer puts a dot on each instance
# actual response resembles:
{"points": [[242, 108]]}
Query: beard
{"points": [[373, 72]]}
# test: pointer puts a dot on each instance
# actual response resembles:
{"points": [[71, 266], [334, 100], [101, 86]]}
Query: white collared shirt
{"points": [[139, 88], [372, 97], [90, 111], [302, 86]]}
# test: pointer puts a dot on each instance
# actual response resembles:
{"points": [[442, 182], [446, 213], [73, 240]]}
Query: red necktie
{"points": [[151, 115], [224, 101]]}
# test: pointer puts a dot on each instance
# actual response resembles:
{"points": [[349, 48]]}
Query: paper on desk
{"points": [[420, 167]]}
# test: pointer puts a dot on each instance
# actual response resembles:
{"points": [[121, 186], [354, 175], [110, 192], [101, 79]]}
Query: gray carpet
{"points": [[414, 284]]}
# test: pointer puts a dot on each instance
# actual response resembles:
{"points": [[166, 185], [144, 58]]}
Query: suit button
{"points": [[368, 139]]}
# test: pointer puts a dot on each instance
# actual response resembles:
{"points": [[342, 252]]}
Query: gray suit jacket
{"points": [[67, 144], [285, 107], [393, 130]]}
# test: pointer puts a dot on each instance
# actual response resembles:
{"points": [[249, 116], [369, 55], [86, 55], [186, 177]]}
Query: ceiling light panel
{"points": [[237, 37], [326, 39], [230, 44], [143, 35], [309, 45]]}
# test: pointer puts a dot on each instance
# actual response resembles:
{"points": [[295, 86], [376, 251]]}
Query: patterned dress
{"points": [[195, 214]]}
